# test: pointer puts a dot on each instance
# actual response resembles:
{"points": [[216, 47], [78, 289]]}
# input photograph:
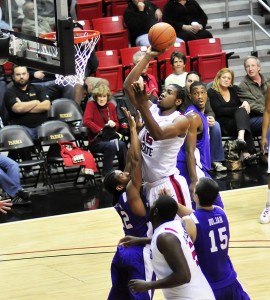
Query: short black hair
{"points": [[207, 191], [180, 92], [196, 83], [167, 208], [110, 182]]}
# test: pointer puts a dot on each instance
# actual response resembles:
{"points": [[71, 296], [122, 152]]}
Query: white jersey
{"points": [[198, 288], [159, 158]]}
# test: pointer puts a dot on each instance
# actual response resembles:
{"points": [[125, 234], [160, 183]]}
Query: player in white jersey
{"points": [[173, 257], [162, 136]]}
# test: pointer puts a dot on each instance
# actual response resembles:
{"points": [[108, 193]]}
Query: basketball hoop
{"points": [[84, 43]]}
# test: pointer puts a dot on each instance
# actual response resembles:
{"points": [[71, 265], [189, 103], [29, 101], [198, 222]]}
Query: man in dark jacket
{"points": [[139, 17]]}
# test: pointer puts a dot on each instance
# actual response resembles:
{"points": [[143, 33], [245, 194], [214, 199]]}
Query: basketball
{"points": [[161, 36]]}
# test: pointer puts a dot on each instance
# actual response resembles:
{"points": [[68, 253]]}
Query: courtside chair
{"points": [[16, 137], [50, 133], [70, 112]]}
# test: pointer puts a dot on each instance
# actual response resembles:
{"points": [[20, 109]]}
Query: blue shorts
{"points": [[234, 291], [130, 263]]}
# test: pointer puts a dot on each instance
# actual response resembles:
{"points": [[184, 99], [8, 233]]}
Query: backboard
{"points": [[27, 20]]}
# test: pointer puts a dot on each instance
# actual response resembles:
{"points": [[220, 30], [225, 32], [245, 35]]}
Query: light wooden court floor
{"points": [[68, 257]]}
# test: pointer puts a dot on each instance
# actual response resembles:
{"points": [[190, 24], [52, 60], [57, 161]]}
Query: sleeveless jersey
{"points": [[202, 151], [212, 243], [159, 157], [198, 287], [132, 224]]}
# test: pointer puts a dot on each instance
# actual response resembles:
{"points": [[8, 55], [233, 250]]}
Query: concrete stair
{"points": [[238, 37]]}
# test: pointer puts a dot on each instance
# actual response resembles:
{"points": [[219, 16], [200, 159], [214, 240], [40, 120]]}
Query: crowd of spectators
{"points": [[242, 106]]}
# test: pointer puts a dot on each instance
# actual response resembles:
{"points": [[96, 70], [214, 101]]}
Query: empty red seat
{"points": [[89, 9], [207, 57], [110, 69], [113, 35]]}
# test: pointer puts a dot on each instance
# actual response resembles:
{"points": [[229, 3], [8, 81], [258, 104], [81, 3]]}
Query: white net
{"points": [[82, 54]]}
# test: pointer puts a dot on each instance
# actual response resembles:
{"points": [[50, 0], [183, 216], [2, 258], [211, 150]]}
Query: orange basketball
{"points": [[161, 36]]}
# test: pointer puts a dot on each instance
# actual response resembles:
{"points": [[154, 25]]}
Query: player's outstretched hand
{"points": [[154, 52], [140, 95], [130, 118]]}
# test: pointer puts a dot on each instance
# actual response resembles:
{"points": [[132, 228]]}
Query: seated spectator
{"points": [[29, 22], [188, 19], [139, 17], [178, 62], [216, 147], [10, 182], [148, 14], [231, 113], [98, 114], [27, 105], [149, 80], [253, 90]]}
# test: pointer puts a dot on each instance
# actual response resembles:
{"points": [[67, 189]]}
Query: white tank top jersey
{"points": [[198, 288], [159, 157]]}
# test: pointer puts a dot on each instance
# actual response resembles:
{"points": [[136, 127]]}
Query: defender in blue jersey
{"points": [[194, 160], [209, 230], [134, 262]]}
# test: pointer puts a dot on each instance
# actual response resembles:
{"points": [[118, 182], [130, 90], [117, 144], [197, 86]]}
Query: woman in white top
{"points": [[178, 62]]}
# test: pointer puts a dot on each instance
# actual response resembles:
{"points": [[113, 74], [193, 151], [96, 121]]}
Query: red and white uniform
{"points": [[159, 162], [198, 288]]}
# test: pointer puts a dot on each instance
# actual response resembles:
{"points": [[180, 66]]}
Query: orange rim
{"points": [[80, 36]]}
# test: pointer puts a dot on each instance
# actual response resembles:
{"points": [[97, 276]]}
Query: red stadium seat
{"points": [[159, 3], [110, 69], [126, 55], [112, 32], [85, 24], [207, 57], [116, 7], [89, 9]]}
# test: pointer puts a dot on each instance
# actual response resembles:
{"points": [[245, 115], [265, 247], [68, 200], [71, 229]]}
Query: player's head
{"points": [[116, 181], [163, 210], [198, 94], [206, 191], [172, 96]]}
